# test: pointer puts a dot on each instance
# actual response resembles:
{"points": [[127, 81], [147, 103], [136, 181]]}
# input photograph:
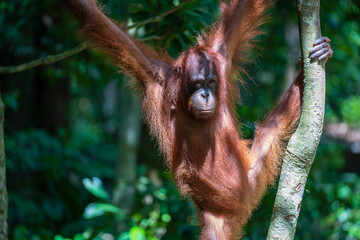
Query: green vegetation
{"points": [[62, 124]]}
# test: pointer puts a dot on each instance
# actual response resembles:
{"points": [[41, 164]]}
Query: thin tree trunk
{"points": [[302, 146], [3, 193], [128, 144]]}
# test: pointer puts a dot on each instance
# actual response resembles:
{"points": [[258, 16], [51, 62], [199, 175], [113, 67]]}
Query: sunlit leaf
{"points": [[59, 237], [166, 217], [79, 237], [95, 187], [124, 236], [137, 233], [94, 210]]}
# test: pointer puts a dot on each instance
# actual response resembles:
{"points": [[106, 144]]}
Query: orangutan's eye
{"points": [[198, 83], [212, 82]]}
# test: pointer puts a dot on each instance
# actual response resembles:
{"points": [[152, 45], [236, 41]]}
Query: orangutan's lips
{"points": [[205, 113]]}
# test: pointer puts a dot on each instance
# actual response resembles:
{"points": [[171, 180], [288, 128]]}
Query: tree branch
{"points": [[159, 17], [81, 47], [303, 145], [43, 61]]}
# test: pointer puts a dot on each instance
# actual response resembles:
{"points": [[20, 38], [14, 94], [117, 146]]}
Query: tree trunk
{"points": [[3, 193], [128, 144], [302, 146]]}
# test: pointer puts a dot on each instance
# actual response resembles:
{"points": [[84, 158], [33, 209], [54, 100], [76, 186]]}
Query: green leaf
{"points": [[124, 236], [95, 187], [166, 217], [94, 210], [152, 238], [59, 237], [137, 233], [344, 192], [161, 194], [11, 100], [79, 237]]}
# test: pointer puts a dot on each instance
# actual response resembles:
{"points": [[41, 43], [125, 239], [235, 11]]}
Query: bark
{"points": [[3, 193], [302, 146]]}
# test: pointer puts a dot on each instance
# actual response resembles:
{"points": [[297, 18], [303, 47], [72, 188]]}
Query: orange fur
{"points": [[223, 174]]}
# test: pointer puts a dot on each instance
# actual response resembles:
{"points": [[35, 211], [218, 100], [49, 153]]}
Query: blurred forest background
{"points": [[80, 161]]}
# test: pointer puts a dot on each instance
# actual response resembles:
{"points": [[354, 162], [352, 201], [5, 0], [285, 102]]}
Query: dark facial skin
{"points": [[202, 85]]}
